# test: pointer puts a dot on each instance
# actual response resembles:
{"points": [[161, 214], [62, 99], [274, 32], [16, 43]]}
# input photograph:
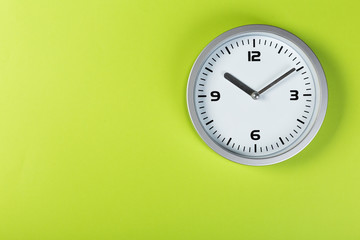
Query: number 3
{"points": [[294, 95]]}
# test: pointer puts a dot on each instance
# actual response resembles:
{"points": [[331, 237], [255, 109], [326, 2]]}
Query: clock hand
{"points": [[276, 80], [241, 85]]}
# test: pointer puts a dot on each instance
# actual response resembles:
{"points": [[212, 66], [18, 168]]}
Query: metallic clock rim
{"points": [[320, 115]]}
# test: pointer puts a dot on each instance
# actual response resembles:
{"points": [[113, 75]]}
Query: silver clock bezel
{"points": [[320, 115]]}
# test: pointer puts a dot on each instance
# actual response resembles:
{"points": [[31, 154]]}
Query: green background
{"points": [[96, 141]]}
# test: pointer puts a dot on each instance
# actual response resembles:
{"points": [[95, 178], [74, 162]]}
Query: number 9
{"points": [[215, 95]]}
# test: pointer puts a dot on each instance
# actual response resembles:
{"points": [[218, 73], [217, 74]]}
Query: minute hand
{"points": [[277, 80]]}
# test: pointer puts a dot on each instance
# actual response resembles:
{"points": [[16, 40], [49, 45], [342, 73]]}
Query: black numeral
{"points": [[254, 56], [215, 95], [294, 95], [255, 135]]}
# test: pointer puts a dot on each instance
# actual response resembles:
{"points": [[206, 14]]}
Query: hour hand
{"points": [[254, 94]]}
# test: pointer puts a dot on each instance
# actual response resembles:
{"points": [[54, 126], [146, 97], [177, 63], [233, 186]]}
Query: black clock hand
{"points": [[241, 85], [276, 80]]}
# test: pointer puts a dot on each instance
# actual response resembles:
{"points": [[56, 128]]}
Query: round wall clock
{"points": [[257, 95]]}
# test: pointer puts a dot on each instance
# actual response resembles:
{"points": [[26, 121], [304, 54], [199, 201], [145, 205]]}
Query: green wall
{"points": [[96, 141]]}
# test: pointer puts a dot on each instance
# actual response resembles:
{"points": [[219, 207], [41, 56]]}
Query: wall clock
{"points": [[257, 95]]}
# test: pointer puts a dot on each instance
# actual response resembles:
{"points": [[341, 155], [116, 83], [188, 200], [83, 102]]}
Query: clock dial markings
{"points": [[208, 69], [209, 122], [227, 49], [299, 68], [300, 121], [213, 67]]}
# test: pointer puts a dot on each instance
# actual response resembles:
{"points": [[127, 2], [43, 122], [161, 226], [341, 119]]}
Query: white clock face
{"points": [[256, 95]]}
